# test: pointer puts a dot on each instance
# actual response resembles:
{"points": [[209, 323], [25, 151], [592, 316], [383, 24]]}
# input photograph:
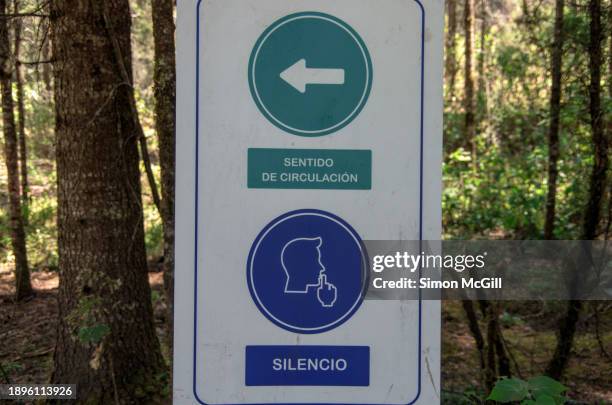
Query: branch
{"points": [[9, 16], [34, 13], [35, 62]]}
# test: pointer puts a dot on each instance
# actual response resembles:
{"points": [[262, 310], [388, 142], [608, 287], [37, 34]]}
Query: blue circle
{"points": [[307, 271], [310, 41]]}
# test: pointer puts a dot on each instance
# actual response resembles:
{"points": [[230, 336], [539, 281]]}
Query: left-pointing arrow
{"points": [[298, 76]]}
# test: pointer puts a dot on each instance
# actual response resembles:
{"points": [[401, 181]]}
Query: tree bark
{"points": [[127, 81], [610, 67], [555, 113], [451, 48], [501, 354], [592, 217], [490, 372], [472, 318], [23, 287], [165, 94], [565, 340], [470, 121], [23, 155], [599, 171], [106, 340], [47, 51], [482, 80]]}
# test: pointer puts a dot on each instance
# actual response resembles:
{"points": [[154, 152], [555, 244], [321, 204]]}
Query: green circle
{"points": [[333, 70]]}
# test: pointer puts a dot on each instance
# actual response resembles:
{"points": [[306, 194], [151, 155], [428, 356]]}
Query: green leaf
{"points": [[509, 390], [544, 400], [529, 402], [93, 334], [543, 385]]}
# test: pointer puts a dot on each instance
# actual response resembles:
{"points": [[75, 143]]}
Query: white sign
{"points": [[304, 127]]}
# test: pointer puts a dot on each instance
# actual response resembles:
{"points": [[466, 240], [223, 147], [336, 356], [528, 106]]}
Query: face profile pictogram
{"points": [[302, 263], [307, 271]]}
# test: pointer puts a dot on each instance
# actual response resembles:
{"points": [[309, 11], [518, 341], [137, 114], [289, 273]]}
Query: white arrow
{"points": [[298, 76]]}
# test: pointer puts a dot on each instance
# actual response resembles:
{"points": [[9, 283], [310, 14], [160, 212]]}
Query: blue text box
{"points": [[308, 366]]}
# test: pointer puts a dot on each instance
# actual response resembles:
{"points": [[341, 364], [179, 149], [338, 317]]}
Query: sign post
{"points": [[304, 128]]}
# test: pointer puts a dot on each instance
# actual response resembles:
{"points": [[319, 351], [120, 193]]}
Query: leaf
{"points": [[509, 390], [544, 400], [543, 385], [529, 402]]}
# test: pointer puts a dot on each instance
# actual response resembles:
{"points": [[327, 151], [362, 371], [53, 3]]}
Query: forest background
{"points": [[527, 134]]}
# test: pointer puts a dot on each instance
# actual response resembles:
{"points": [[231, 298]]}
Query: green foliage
{"points": [[86, 319], [509, 390], [513, 62], [154, 235], [155, 297], [496, 195], [42, 232], [508, 320], [12, 366], [503, 192], [93, 334], [539, 390]]}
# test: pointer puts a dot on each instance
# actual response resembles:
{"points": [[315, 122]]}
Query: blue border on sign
{"points": [[197, 123]]}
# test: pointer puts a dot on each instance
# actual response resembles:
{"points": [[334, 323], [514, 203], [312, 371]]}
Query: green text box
{"points": [[324, 169]]}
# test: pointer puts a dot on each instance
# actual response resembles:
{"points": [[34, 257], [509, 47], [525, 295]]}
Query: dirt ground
{"points": [[530, 338], [27, 329], [27, 337]]}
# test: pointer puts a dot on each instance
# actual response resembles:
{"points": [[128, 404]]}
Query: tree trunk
{"points": [[23, 156], [565, 340], [610, 66], [127, 81], [47, 54], [600, 142], [555, 112], [482, 80], [451, 48], [472, 318], [165, 94], [106, 340], [46, 48], [490, 372], [592, 217], [23, 287], [503, 361], [470, 122], [498, 363]]}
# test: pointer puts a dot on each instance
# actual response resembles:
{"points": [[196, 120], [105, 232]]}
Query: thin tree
{"points": [[610, 67], [498, 363], [46, 49], [597, 184], [470, 119], [23, 287], [23, 155], [165, 93], [106, 341], [555, 114], [451, 48], [482, 59]]}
